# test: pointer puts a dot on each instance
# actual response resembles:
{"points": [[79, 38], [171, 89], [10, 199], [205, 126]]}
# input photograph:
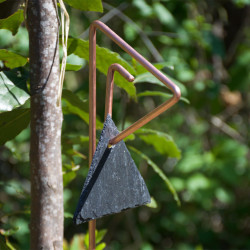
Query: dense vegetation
{"points": [[197, 150]]}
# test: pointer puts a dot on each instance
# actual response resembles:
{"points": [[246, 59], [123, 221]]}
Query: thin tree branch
{"points": [[46, 226]]}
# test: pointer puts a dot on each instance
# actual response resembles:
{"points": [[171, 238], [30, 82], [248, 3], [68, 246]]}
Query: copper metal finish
{"points": [[119, 41], [109, 96], [110, 85]]}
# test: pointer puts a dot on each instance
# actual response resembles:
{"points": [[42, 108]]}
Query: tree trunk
{"points": [[46, 225]]}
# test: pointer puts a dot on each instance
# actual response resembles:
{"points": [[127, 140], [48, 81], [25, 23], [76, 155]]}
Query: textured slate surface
{"points": [[113, 183]]}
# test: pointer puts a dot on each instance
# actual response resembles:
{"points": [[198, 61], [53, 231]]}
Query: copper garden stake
{"points": [[92, 95]]}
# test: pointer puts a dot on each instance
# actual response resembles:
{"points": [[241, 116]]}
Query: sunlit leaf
{"points": [[162, 142], [104, 58], [148, 77], [163, 14], [77, 243], [68, 177], [162, 94], [140, 69], [12, 123], [101, 246], [76, 106], [73, 67], [19, 77], [12, 60], [12, 22], [198, 181], [74, 63], [68, 215], [86, 240], [159, 172], [11, 95], [100, 235], [153, 203], [144, 8], [130, 137], [86, 5]]}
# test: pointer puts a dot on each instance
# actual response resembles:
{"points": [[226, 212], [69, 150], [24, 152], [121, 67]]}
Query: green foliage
{"points": [[104, 58], [12, 22], [73, 67], [12, 123], [148, 77], [12, 95], [86, 5], [99, 237], [12, 60], [163, 14], [153, 203], [162, 94], [76, 106], [162, 142], [159, 172], [205, 51], [3, 244]]}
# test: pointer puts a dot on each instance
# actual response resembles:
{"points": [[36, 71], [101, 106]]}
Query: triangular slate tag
{"points": [[113, 183]]}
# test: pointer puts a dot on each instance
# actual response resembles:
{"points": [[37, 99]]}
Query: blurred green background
{"points": [[200, 145]]}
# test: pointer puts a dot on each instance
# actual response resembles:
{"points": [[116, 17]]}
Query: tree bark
{"points": [[46, 226]]}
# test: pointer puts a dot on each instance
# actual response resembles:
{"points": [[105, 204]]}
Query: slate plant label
{"points": [[114, 183]]}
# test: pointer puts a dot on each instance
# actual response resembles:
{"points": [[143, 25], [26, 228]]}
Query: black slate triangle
{"points": [[113, 183]]}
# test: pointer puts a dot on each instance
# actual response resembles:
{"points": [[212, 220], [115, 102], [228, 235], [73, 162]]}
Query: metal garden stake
{"points": [[111, 163]]}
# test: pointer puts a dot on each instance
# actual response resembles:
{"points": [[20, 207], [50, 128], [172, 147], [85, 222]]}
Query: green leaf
{"points": [[100, 235], [198, 181], [162, 142], [12, 123], [10, 231], [86, 240], [11, 95], [74, 63], [101, 246], [130, 137], [152, 204], [148, 77], [73, 67], [12, 60], [78, 107], [3, 244], [1, 1], [159, 93], [69, 173], [77, 242], [104, 58], [86, 5], [159, 172], [163, 14], [19, 77], [68, 177], [68, 215], [12, 22], [144, 8], [140, 69]]}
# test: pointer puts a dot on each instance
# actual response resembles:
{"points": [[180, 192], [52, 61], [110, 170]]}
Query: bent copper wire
{"points": [[92, 78], [110, 85], [108, 110], [92, 96]]}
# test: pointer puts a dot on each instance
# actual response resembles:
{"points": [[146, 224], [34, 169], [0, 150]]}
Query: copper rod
{"points": [[109, 97], [110, 85], [159, 75], [92, 117]]}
